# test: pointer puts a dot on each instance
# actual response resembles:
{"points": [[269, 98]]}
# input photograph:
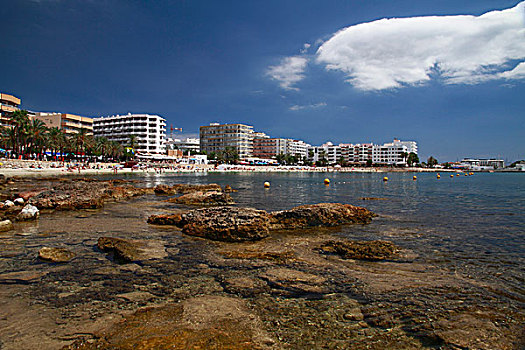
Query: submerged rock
{"points": [[232, 224], [27, 276], [185, 188], [6, 225], [322, 214], [204, 198], [71, 195], [288, 281], [126, 192], [55, 254], [29, 212], [128, 250], [229, 224], [229, 189], [30, 193], [204, 322], [361, 250], [165, 219]]}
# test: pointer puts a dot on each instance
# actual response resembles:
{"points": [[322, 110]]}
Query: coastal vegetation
{"points": [[31, 139]]}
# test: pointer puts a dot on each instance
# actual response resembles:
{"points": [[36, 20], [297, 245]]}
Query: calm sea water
{"points": [[472, 224], [468, 232]]}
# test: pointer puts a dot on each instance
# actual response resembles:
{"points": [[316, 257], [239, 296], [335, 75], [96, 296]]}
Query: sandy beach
{"points": [[31, 168]]}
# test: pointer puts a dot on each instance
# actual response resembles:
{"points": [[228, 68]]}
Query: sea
{"points": [[460, 283]]}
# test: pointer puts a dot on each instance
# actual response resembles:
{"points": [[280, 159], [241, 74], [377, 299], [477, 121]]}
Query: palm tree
{"points": [[36, 136], [280, 158], [7, 138], [230, 155], [404, 156], [54, 140], [20, 122], [115, 150], [431, 161], [102, 146], [79, 140]]}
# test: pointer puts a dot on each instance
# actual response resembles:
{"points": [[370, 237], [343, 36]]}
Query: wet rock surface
{"points": [[233, 224], [200, 198], [55, 254], [228, 224], [361, 250], [29, 212], [6, 225], [205, 322], [185, 188], [322, 214], [127, 250]]}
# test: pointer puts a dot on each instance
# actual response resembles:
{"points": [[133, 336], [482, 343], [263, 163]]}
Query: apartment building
{"points": [[70, 123], [184, 145], [356, 153], [297, 147], [328, 151], [216, 137], [8, 104], [268, 148], [482, 164], [393, 153], [150, 131]]}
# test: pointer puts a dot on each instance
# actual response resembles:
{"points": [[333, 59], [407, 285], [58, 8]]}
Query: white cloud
{"points": [[305, 48], [288, 72], [312, 106], [391, 53]]}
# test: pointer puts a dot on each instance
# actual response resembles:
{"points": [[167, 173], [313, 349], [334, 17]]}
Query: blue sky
{"points": [[343, 71]]}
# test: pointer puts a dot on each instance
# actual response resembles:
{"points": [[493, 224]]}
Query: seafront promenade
{"points": [[48, 168]]}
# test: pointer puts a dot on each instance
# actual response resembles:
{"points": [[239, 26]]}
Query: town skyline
{"points": [[281, 69]]}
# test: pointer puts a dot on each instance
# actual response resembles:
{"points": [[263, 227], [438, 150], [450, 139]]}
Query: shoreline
{"points": [[31, 168]]}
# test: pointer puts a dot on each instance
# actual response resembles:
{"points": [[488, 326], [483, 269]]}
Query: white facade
{"points": [[483, 164], [216, 137], [150, 131], [331, 152], [393, 153], [357, 153], [185, 145], [297, 147]]}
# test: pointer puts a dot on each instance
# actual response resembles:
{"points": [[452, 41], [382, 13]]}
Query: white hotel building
{"points": [[150, 131], [393, 153]]}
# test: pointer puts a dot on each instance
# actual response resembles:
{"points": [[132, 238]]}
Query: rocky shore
{"points": [[119, 265]]}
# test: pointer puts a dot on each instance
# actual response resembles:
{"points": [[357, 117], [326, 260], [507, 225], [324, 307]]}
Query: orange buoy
{"points": [[266, 184], [327, 181]]}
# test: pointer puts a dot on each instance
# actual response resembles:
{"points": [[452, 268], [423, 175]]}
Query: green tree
{"points": [[20, 124], [404, 156], [36, 136], [431, 161], [230, 155], [341, 161], [115, 150], [79, 140], [280, 158], [102, 147], [369, 163], [412, 159]]}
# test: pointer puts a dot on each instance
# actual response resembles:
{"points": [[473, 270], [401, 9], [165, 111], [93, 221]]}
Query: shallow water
{"points": [[465, 237]]}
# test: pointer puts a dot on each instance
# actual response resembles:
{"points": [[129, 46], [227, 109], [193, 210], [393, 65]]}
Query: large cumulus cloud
{"points": [[390, 53]]}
